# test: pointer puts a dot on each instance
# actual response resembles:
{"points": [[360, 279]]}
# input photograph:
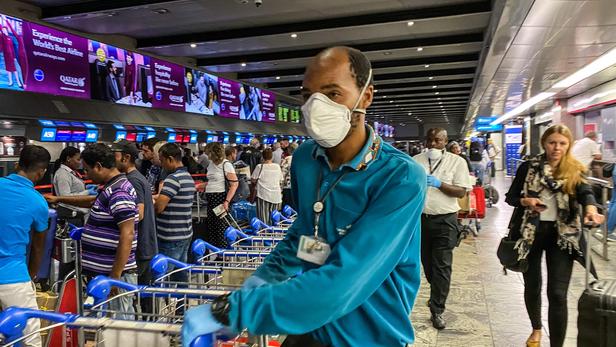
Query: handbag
{"points": [[253, 188], [506, 252]]}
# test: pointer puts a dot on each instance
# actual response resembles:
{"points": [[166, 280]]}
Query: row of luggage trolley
{"points": [[177, 287]]}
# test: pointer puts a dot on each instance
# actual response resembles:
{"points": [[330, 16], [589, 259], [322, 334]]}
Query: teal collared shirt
{"points": [[364, 293]]}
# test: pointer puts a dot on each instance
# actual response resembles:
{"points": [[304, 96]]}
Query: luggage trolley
{"points": [[239, 240], [107, 332], [473, 209]]}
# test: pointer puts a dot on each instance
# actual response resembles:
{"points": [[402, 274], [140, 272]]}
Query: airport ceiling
{"points": [[425, 53]]}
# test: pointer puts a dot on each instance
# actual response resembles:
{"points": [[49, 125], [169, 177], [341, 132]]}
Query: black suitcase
{"points": [[596, 310]]}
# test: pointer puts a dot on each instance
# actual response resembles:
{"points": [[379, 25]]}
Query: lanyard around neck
{"points": [[432, 170], [319, 206]]}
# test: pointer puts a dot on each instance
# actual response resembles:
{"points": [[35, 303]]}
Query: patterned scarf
{"points": [[568, 221]]}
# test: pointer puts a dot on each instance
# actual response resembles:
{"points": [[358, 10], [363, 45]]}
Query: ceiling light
{"points": [[440, 102], [603, 62], [243, 64], [419, 49], [523, 107], [434, 87], [438, 98], [386, 53], [294, 36], [437, 93], [430, 78], [427, 65], [161, 10], [384, 96], [391, 101], [376, 90], [277, 77], [410, 113], [193, 45], [410, 24]]}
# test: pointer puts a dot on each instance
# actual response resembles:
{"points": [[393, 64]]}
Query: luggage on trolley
{"points": [[473, 209]]}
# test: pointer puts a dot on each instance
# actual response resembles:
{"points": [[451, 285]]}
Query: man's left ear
{"points": [[366, 100]]}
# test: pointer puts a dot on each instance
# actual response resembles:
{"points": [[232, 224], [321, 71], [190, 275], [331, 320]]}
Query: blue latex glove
{"points": [[253, 282], [198, 321], [433, 181], [92, 189]]}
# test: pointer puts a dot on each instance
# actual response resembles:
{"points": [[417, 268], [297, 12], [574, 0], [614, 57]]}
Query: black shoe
{"points": [[437, 321]]}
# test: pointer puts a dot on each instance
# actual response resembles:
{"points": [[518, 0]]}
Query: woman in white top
{"points": [[219, 172], [267, 177]]}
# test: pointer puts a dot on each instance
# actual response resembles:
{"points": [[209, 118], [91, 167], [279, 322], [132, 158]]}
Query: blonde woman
{"points": [[548, 191], [220, 188]]}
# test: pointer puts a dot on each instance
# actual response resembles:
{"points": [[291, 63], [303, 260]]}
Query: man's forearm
{"points": [[453, 191], [36, 253], [85, 201]]}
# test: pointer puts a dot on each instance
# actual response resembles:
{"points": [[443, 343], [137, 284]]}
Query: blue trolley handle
{"points": [[13, 320], [199, 247]]}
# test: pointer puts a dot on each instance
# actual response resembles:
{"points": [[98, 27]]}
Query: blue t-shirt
{"points": [[21, 209]]}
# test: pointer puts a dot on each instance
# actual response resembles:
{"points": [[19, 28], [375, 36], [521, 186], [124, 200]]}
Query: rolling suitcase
{"points": [[596, 309], [480, 198]]}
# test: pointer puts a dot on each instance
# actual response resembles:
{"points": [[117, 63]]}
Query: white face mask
{"points": [[328, 122], [435, 154]]}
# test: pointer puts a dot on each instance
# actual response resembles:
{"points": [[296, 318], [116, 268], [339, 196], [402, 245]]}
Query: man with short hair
{"points": [[284, 145], [277, 153], [587, 149], [251, 155], [126, 154], [174, 207], [110, 237], [448, 179], [23, 209], [360, 273], [155, 173]]}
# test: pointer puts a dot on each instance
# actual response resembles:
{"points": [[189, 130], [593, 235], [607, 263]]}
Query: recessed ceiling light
{"points": [[419, 49], [410, 113], [243, 64], [387, 53], [391, 101], [437, 93], [277, 77], [440, 102], [427, 65], [384, 96], [434, 87], [430, 78], [438, 98], [161, 10], [410, 24], [376, 90], [294, 36], [193, 45]]}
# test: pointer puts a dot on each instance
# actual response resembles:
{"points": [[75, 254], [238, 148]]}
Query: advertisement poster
{"points": [[229, 98], [202, 94], [13, 57], [169, 90], [56, 62], [268, 106], [119, 76]]}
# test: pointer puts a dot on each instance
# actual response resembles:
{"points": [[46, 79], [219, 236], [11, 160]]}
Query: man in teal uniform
{"points": [[360, 267]]}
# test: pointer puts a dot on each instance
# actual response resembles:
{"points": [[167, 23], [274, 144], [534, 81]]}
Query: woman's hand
{"points": [[591, 217], [534, 204]]}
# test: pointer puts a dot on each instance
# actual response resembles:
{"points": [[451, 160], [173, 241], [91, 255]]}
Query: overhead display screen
{"points": [[202, 94], [230, 98], [118, 75], [295, 115], [41, 59]]}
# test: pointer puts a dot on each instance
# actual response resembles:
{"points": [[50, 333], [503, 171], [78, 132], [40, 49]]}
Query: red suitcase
{"points": [[480, 201]]}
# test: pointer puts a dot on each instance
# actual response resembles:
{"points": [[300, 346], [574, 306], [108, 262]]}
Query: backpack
{"points": [[476, 152], [243, 188]]}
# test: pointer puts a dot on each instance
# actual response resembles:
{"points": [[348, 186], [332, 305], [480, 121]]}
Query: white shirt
{"points": [[215, 176], [584, 150], [277, 156], [450, 169], [551, 213], [268, 186]]}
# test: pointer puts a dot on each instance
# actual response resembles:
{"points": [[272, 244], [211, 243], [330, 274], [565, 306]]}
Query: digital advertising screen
{"points": [[202, 95], [40, 59], [63, 135], [169, 89], [48, 135], [268, 106], [78, 136], [254, 107], [229, 98], [118, 75]]}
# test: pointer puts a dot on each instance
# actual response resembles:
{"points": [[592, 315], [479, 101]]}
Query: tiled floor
{"points": [[486, 308]]}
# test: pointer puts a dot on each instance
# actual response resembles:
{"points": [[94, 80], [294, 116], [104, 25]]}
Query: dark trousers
{"points": [[287, 198], [144, 273], [305, 340], [559, 266], [439, 234]]}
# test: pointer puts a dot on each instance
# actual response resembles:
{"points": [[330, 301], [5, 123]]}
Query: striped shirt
{"points": [[114, 205], [175, 222]]}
